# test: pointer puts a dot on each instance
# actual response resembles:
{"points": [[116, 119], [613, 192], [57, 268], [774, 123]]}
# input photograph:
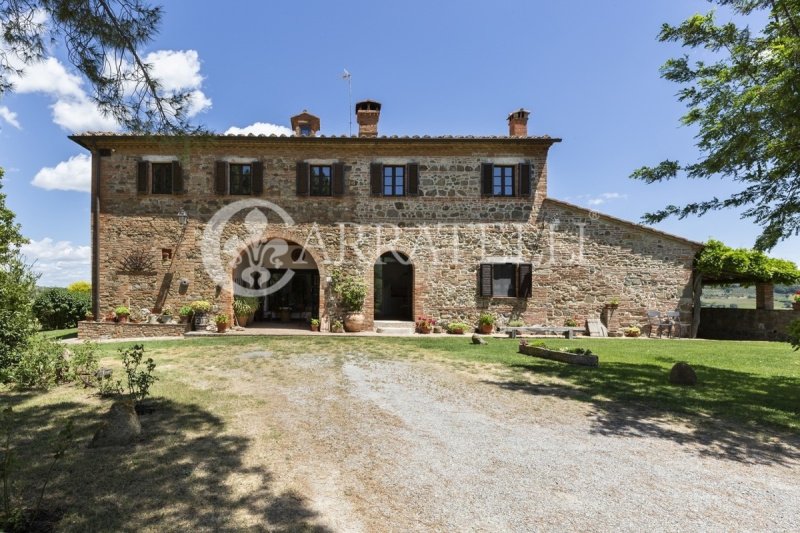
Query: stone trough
{"points": [[563, 357]]}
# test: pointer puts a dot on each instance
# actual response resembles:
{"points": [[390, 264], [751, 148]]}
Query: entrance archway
{"points": [[394, 287], [286, 275]]}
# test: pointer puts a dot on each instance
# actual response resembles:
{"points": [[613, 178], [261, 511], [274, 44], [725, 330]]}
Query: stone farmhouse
{"points": [[446, 226]]}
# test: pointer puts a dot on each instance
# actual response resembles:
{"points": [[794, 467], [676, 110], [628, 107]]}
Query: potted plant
{"points": [[352, 293], [184, 313], [89, 316], [425, 324], [337, 326], [486, 323], [242, 310], [516, 323], [457, 328], [200, 308], [166, 315], [632, 331], [796, 301], [613, 304], [221, 320], [314, 324], [570, 323], [122, 313]]}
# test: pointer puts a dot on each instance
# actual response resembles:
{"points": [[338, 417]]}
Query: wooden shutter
{"points": [[485, 280], [302, 179], [412, 175], [177, 178], [376, 178], [258, 178], [221, 178], [524, 280], [487, 178], [141, 177], [524, 170], [337, 178]]}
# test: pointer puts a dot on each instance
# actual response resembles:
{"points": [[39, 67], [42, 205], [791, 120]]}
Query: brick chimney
{"points": [[305, 124], [518, 123], [367, 114]]}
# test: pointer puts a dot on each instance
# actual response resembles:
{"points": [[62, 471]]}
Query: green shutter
{"points": [[524, 171], [412, 175], [376, 179], [524, 280], [337, 171], [177, 178], [487, 178], [258, 178], [485, 280], [221, 178], [141, 177]]}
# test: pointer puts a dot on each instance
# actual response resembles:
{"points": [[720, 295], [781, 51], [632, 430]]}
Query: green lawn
{"points": [[755, 383], [60, 334]]}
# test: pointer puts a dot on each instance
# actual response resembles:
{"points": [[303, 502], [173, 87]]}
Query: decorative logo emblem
{"points": [[244, 250]]}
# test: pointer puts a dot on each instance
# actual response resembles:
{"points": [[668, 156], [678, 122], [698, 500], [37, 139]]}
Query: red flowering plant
{"points": [[425, 323], [797, 297]]}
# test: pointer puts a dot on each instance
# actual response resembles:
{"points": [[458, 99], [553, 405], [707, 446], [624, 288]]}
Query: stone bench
{"points": [[568, 332]]}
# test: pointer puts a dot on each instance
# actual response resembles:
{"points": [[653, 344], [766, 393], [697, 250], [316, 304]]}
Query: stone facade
{"points": [[580, 259], [128, 330], [746, 324]]}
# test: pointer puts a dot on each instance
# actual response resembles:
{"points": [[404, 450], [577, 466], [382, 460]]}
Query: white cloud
{"points": [[602, 198], [50, 77], [59, 263], [260, 128], [9, 116], [180, 71], [82, 115], [72, 175]]}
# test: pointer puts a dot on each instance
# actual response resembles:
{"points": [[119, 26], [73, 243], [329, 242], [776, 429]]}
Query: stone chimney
{"points": [[367, 114], [305, 124], [518, 123]]}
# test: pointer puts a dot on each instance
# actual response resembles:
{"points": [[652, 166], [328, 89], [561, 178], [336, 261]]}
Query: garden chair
{"points": [[656, 324], [677, 327]]}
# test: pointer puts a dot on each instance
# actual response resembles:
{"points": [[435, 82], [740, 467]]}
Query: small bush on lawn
{"points": [[41, 366], [59, 308], [793, 332], [84, 363], [139, 371]]}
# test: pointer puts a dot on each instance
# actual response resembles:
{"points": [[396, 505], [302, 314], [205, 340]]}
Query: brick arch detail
{"points": [[417, 287]]}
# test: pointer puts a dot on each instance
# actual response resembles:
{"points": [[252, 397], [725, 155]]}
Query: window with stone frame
{"points": [[162, 178], [241, 179], [320, 183], [505, 280], [394, 180], [506, 180]]}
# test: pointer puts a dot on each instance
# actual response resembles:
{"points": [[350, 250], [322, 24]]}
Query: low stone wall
{"points": [[114, 330], [745, 324], [563, 357]]}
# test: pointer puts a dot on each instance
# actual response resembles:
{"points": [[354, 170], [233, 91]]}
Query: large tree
{"points": [[102, 39], [744, 99]]}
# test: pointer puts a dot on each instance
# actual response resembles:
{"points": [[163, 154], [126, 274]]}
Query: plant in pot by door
{"points": [[425, 324], [457, 328], [337, 326], [314, 324], [242, 310], [184, 313], [221, 320], [352, 292], [486, 323], [122, 313], [166, 315], [200, 308]]}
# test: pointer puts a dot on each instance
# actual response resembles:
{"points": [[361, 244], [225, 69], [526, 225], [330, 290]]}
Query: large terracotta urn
{"points": [[354, 322]]}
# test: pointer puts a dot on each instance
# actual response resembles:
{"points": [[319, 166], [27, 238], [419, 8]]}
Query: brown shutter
{"points": [[177, 178], [376, 178], [258, 178], [524, 280], [412, 175], [221, 178], [485, 280], [141, 177], [487, 178], [524, 171], [337, 187], [302, 178]]}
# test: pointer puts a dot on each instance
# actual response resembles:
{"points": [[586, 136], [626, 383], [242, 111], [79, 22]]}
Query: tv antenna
{"points": [[347, 76]]}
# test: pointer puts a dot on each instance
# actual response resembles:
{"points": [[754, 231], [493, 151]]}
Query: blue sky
{"points": [[587, 71]]}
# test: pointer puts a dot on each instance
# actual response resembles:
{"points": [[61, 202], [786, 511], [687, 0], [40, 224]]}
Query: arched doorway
{"points": [[394, 287], [284, 279]]}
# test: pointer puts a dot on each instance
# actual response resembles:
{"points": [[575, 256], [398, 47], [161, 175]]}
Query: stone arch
{"points": [[393, 284]]}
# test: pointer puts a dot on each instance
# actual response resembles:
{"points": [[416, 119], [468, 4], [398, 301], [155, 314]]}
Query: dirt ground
{"points": [[361, 442]]}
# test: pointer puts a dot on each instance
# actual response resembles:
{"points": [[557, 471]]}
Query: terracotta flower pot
{"points": [[314, 327], [222, 327], [122, 319], [354, 322], [424, 328], [485, 328]]}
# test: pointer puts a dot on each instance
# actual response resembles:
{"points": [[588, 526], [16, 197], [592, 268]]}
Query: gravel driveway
{"points": [[397, 445]]}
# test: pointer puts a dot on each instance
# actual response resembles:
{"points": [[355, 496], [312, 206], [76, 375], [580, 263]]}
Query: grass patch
{"points": [[60, 334]]}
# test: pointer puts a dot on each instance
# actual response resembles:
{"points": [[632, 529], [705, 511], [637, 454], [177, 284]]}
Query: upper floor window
{"points": [[503, 180], [241, 178], [506, 180], [320, 180], [159, 178], [162, 178], [320, 184], [394, 177], [394, 180]]}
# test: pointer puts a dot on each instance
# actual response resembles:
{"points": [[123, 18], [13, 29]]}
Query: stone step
{"points": [[394, 327]]}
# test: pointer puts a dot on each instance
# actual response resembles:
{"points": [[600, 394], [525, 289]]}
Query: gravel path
{"points": [[383, 444]]}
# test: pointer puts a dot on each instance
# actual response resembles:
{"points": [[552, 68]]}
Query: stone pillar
{"points": [[610, 319], [765, 296]]}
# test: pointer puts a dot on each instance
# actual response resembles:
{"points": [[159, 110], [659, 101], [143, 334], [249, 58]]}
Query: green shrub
{"points": [[122, 311], [570, 323], [59, 308], [455, 327], [80, 287], [516, 323], [41, 366], [242, 307], [793, 332], [139, 379], [84, 363], [200, 306], [486, 319], [351, 290]]}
